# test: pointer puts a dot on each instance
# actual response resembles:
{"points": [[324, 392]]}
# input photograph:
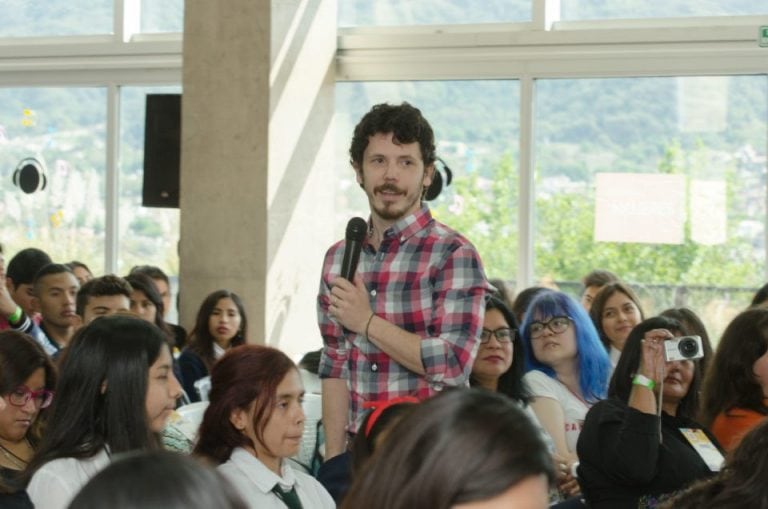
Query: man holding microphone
{"points": [[408, 321]]}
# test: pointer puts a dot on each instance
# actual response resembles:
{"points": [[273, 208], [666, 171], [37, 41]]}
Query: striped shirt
{"points": [[426, 279]]}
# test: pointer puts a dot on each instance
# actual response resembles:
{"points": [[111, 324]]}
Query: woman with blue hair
{"points": [[567, 367]]}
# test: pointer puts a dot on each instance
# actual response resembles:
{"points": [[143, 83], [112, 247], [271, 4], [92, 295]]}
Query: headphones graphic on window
{"points": [[30, 175], [436, 187]]}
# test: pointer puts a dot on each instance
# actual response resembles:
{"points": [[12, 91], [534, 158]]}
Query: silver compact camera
{"points": [[684, 348]]}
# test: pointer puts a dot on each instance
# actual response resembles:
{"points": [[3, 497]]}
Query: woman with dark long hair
{"points": [[464, 446], [735, 395], [642, 444], [221, 324], [254, 423], [115, 393], [147, 303], [27, 382]]}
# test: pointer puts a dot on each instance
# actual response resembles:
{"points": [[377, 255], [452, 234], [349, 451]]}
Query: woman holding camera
{"points": [[641, 444]]}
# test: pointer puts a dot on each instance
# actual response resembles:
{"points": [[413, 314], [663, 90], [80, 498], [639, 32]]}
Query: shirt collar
{"points": [[218, 351], [410, 225], [259, 474]]}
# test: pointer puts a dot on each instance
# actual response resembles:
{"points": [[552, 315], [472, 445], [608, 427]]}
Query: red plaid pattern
{"points": [[428, 280]]}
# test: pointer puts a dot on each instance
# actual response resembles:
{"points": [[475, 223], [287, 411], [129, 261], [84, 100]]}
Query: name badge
{"points": [[706, 449]]}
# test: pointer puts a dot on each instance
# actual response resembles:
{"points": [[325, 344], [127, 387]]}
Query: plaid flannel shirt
{"points": [[428, 280]]}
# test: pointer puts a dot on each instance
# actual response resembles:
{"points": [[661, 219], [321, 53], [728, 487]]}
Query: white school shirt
{"points": [[57, 482], [254, 482], [542, 385]]}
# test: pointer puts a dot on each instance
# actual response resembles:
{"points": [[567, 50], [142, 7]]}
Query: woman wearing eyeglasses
{"points": [[498, 369], [567, 364], [27, 379], [115, 394]]}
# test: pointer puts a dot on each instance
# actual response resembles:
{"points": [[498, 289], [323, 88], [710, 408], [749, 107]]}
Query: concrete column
{"points": [[256, 184]]}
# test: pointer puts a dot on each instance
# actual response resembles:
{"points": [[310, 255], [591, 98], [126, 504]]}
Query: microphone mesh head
{"points": [[357, 229]]}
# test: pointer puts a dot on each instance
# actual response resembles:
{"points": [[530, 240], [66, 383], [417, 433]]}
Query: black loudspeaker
{"points": [[29, 175], [162, 151]]}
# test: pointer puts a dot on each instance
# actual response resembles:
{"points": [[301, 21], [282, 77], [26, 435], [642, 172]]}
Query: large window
{"points": [[61, 131], [626, 9], [476, 128], [431, 12], [24, 18], [661, 180]]}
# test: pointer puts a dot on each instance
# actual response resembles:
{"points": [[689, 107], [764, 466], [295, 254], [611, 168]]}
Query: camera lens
{"points": [[688, 348]]}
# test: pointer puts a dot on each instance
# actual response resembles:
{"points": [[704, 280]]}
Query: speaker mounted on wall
{"points": [[162, 151]]}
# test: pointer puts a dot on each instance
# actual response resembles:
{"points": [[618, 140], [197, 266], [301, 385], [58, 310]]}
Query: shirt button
{"points": [[373, 293], [374, 367]]}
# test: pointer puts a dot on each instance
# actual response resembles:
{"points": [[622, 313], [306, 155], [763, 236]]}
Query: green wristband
{"points": [[16, 316], [644, 381]]}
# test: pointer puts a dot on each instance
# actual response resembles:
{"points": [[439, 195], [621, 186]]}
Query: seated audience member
{"points": [[163, 285], [220, 324], [27, 381], [593, 283], [615, 312], [155, 480], [147, 304], [761, 297], [628, 457], [81, 271], [308, 368], [462, 448], [55, 289], [498, 369], [20, 276], [735, 395], [103, 296], [567, 367], [739, 485], [695, 326], [502, 291], [524, 299], [115, 392], [337, 473], [253, 423]]}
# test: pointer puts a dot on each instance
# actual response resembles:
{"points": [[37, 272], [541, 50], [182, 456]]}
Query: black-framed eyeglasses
{"points": [[21, 395], [556, 324], [503, 335]]}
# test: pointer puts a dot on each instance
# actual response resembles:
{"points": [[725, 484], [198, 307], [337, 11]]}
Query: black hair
{"points": [[523, 300], [511, 382], [20, 357], [100, 287], [25, 264], [731, 382], [201, 340], [158, 479], [146, 285], [760, 297], [599, 277], [152, 271], [74, 264], [629, 363], [49, 270], [101, 394], [461, 446], [364, 443], [406, 124]]}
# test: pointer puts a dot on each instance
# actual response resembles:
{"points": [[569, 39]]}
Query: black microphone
{"points": [[357, 229]]}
